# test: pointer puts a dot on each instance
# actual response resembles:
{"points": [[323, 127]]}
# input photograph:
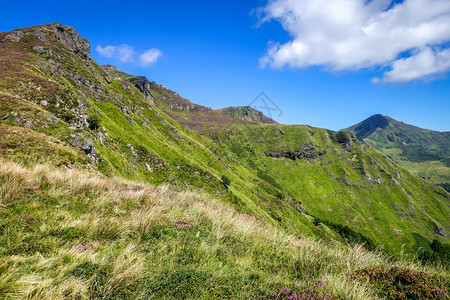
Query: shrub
{"points": [[225, 181], [350, 235], [93, 121], [317, 221], [441, 253], [445, 186], [67, 117], [399, 283]]}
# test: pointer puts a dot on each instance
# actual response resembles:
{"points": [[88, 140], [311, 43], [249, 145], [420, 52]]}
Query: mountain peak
{"points": [[51, 32], [370, 125], [246, 113]]}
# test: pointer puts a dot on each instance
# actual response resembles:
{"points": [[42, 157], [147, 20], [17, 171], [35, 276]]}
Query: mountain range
{"points": [[151, 170]]}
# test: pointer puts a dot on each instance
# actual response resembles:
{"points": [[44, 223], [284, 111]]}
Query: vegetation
{"points": [[338, 181], [225, 181], [94, 122], [439, 254], [422, 151], [445, 186], [136, 208], [397, 283], [118, 239]]}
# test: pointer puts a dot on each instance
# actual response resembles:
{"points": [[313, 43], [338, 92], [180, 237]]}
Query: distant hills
{"points": [[422, 151]]}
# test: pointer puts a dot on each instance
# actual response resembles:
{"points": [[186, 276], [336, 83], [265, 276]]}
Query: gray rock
{"points": [[131, 121], [80, 141], [132, 150], [66, 35], [109, 67], [29, 124], [395, 182], [14, 36], [39, 49], [125, 110], [143, 85], [367, 176], [439, 231]]}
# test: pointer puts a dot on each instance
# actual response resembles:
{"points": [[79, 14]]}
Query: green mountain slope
{"points": [[288, 177], [335, 178], [423, 152], [48, 89], [342, 181]]}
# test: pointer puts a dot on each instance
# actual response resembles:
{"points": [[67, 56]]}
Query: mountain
{"points": [[422, 151], [114, 186], [246, 113]]}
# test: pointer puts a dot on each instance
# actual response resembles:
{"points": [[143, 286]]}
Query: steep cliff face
{"points": [[143, 85], [64, 34]]}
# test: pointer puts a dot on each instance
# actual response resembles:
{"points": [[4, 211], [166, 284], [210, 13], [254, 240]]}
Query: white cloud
{"points": [[126, 54], [107, 51], [357, 34], [423, 64], [149, 57]]}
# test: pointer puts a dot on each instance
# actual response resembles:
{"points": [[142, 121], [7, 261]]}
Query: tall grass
{"points": [[70, 234]]}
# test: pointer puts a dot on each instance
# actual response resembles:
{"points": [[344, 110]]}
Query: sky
{"points": [[325, 63]]}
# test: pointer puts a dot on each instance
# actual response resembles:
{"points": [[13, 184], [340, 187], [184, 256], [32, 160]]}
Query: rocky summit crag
{"points": [[59, 108]]}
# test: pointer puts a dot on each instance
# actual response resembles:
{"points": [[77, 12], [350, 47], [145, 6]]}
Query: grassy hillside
{"points": [[334, 178], [423, 152], [119, 239], [341, 181], [133, 139], [58, 107]]}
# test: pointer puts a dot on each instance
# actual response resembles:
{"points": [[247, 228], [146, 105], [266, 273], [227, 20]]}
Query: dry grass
{"points": [[116, 238]]}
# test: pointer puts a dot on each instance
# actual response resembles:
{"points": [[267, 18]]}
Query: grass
{"points": [[72, 234], [418, 150], [339, 185]]}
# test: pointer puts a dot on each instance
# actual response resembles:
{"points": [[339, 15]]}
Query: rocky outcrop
{"points": [[109, 67], [72, 39], [80, 141], [143, 85], [309, 151], [64, 34]]}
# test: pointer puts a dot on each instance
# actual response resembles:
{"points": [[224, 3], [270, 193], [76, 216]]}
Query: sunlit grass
{"points": [[73, 234]]}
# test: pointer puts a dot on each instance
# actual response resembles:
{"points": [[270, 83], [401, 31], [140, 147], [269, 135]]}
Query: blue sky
{"points": [[224, 53]]}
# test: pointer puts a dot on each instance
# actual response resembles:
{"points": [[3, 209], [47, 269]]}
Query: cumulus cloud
{"points": [[149, 57], [423, 64], [127, 54], [357, 34]]}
